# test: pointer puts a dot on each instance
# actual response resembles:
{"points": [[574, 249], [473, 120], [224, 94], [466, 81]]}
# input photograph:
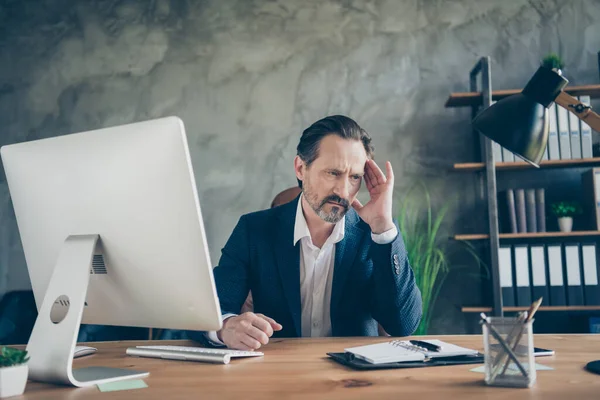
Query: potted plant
{"points": [[553, 61], [13, 371], [428, 254], [564, 211]]}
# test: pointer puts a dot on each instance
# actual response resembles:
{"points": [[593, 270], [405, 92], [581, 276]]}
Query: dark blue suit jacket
{"points": [[371, 282]]}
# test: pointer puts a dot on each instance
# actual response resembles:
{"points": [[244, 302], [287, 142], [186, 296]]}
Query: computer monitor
{"points": [[112, 232]]}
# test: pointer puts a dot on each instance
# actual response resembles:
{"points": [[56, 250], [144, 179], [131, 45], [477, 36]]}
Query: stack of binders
{"points": [[522, 210], [566, 274], [568, 137]]}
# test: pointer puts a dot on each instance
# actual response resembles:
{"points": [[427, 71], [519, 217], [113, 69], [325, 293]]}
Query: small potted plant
{"points": [[553, 61], [564, 211], [13, 371]]}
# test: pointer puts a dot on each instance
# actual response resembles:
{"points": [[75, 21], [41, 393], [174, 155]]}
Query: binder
{"points": [[349, 360], [521, 214], [590, 274], [591, 197], [522, 276], [540, 208], [562, 118], [586, 132], [538, 272], [575, 136], [505, 272], [553, 146], [507, 155], [574, 287], [555, 273], [507, 215], [531, 210], [512, 211], [497, 152]]}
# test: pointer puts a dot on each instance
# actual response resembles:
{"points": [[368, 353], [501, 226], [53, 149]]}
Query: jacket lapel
{"points": [[288, 261], [345, 252]]}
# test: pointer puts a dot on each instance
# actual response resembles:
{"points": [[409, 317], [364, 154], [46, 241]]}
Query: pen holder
{"points": [[509, 352]]}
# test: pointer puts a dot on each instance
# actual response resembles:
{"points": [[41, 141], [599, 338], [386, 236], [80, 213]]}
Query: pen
{"points": [[426, 345]]}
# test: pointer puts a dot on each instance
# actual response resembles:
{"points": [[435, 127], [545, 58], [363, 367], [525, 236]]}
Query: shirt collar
{"points": [[301, 228]]}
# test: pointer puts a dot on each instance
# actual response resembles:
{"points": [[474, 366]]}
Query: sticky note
{"points": [[122, 385]]}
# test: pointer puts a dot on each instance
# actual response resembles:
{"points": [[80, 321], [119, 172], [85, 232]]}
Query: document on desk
{"points": [[404, 350]]}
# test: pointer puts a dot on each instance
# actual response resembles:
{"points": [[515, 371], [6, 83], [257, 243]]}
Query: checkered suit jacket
{"points": [[371, 282]]}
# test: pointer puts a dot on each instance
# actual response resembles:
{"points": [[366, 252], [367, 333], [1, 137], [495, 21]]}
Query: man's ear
{"points": [[299, 168]]}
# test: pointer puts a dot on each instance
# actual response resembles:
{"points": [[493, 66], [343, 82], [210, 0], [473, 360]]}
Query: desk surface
{"points": [[299, 368]]}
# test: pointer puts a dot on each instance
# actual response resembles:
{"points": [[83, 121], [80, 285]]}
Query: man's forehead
{"points": [[335, 151]]}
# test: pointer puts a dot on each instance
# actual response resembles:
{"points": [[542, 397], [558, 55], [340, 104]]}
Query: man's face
{"points": [[331, 182]]}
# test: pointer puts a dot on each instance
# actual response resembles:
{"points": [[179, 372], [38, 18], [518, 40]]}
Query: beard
{"points": [[337, 211]]}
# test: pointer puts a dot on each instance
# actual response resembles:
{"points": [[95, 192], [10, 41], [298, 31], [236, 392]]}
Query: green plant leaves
{"points": [[10, 357], [553, 60], [427, 252], [566, 209]]}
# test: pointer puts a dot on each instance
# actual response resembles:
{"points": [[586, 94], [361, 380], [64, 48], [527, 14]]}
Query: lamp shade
{"points": [[519, 122]]}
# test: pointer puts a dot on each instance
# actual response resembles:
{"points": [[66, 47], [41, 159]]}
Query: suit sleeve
{"points": [[231, 276], [395, 298]]}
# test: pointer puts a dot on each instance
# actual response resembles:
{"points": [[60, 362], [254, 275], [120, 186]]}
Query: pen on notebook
{"points": [[426, 345]]}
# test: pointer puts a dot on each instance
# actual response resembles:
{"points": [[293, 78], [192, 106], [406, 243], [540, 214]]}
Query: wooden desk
{"points": [[299, 368]]}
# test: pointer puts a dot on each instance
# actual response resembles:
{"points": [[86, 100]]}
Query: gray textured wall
{"points": [[247, 76]]}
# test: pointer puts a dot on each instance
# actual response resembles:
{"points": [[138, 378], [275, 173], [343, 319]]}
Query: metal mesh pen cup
{"points": [[509, 352]]}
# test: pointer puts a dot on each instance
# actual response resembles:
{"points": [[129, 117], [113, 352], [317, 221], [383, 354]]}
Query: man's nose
{"points": [[342, 188]]}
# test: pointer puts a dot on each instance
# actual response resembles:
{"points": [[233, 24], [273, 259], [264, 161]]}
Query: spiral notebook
{"points": [[403, 350]]}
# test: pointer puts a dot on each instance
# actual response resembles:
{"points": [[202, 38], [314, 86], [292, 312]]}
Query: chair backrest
{"points": [[286, 196]]}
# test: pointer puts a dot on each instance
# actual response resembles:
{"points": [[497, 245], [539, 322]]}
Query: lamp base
{"points": [[594, 367]]}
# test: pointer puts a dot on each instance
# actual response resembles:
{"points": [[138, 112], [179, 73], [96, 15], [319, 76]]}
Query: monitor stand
{"points": [[52, 342]]}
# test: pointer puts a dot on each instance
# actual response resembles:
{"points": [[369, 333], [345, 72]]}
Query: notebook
{"points": [[403, 350]]}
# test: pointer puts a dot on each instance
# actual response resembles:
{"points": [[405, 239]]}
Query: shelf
{"points": [[463, 99], [546, 308], [522, 165], [529, 235]]}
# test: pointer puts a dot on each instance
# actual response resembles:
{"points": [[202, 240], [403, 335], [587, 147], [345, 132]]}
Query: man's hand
{"points": [[248, 331], [378, 211]]}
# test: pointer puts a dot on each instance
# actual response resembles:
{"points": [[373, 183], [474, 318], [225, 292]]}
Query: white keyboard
{"points": [[183, 353]]}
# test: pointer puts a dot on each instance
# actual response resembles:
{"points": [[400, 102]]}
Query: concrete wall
{"points": [[248, 76]]}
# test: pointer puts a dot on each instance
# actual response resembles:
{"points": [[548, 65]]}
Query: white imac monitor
{"points": [[112, 232]]}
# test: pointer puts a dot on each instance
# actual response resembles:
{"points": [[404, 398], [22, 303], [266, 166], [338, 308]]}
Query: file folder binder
{"points": [[564, 139], [590, 181], [586, 133], [538, 272], [575, 136], [574, 288], [590, 274], [506, 280], [555, 272], [553, 142], [522, 276]]}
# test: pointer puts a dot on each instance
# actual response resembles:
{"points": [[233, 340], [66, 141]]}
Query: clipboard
{"points": [[349, 360]]}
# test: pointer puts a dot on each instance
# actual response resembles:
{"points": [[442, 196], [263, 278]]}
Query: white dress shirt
{"points": [[316, 275]]}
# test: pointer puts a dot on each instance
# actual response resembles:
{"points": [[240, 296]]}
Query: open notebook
{"points": [[403, 350]]}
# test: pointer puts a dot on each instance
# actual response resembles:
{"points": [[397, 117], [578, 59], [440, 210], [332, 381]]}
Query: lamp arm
{"points": [[582, 111]]}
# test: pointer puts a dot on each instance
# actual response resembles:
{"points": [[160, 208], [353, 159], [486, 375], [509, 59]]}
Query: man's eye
{"points": [[356, 177], [334, 173]]}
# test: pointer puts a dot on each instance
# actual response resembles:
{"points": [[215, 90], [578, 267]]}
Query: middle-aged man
{"points": [[323, 264]]}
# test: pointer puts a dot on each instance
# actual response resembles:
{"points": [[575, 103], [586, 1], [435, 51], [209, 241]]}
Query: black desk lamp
{"points": [[520, 122]]}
